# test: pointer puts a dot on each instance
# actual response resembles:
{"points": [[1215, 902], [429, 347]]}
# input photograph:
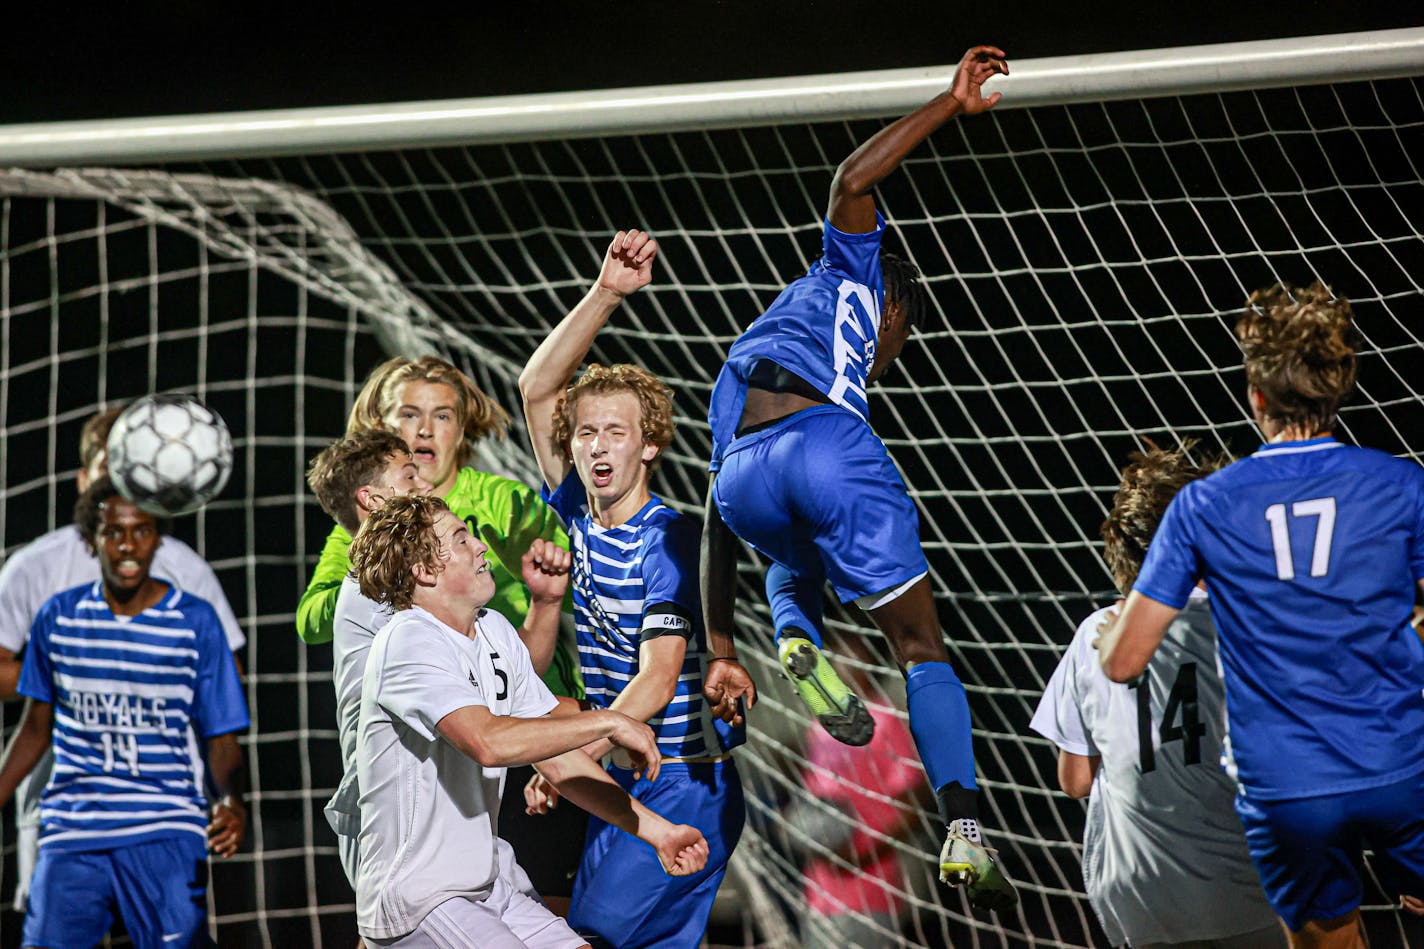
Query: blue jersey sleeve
{"points": [[1171, 567], [568, 499], [857, 256], [37, 673], [218, 704], [1416, 543], [672, 601]]}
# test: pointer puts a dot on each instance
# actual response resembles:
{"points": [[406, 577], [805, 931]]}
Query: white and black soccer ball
{"points": [[169, 454]]}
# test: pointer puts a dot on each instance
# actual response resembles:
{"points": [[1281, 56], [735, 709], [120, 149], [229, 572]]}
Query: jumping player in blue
{"points": [[641, 647], [125, 675], [1311, 551], [800, 476]]}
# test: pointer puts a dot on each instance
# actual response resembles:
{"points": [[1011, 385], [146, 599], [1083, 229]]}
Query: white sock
{"points": [[967, 827]]}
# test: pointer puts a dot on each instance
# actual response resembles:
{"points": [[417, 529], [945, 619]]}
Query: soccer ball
{"points": [[169, 454]]}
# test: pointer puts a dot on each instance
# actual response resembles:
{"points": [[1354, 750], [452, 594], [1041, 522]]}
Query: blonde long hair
{"points": [[480, 416]]}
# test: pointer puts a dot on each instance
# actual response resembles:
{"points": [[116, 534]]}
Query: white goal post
{"points": [[1085, 245], [1057, 80]]}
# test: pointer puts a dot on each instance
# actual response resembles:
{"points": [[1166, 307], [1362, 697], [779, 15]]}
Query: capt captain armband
{"points": [[665, 619]]}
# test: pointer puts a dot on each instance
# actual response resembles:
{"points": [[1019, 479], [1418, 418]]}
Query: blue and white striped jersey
{"points": [[131, 695], [633, 582], [824, 327]]}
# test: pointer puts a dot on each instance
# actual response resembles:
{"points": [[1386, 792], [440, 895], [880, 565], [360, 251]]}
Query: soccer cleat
{"points": [[969, 863], [839, 710]]}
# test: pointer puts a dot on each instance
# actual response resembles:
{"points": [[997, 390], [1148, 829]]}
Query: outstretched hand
{"points": [[545, 570], [728, 681], [628, 265], [974, 70]]}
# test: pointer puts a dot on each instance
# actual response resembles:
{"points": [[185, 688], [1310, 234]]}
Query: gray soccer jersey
{"points": [[429, 813], [1164, 856]]}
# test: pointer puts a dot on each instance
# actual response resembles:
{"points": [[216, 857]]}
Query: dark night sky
{"points": [[137, 59]]}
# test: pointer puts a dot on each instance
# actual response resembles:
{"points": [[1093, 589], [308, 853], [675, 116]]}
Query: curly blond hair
{"points": [[1148, 484], [1300, 353], [396, 537], [654, 400], [480, 416]]}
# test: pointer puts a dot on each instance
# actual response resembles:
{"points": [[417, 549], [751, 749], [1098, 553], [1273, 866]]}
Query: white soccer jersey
{"points": [[429, 813], [354, 627], [60, 561], [1164, 856]]}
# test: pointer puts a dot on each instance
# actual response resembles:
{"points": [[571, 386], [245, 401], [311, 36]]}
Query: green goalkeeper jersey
{"points": [[508, 516]]}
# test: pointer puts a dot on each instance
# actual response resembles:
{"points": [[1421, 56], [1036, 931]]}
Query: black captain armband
{"points": [[665, 619]]}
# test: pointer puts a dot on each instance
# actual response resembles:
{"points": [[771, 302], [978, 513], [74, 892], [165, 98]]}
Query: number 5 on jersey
{"points": [[1323, 509]]}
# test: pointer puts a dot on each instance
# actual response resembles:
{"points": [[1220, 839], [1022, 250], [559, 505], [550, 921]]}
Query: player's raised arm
{"points": [[852, 205], [545, 570], [627, 267]]}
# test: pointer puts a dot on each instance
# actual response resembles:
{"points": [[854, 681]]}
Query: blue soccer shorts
{"points": [[1308, 851], [159, 888], [819, 484], [623, 897]]}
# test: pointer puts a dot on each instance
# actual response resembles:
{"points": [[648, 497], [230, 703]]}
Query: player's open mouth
{"points": [[602, 473], [128, 569], [423, 456]]}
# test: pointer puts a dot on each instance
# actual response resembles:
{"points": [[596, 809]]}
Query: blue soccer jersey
{"points": [[823, 327], [633, 582], [1310, 551], [131, 695]]}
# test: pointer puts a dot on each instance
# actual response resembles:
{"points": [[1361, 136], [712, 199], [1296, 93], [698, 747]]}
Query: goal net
{"points": [[1086, 257]]}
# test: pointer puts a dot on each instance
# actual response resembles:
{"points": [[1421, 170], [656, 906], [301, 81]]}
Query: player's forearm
{"points": [[225, 766], [883, 152], [563, 350], [647, 694], [9, 676], [31, 741], [540, 631], [582, 781], [718, 582], [1128, 644], [552, 366], [501, 741]]}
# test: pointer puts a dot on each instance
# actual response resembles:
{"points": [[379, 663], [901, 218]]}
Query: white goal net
{"points": [[1085, 263]]}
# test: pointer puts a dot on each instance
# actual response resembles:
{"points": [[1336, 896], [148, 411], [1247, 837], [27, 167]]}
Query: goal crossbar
{"points": [[1057, 80]]}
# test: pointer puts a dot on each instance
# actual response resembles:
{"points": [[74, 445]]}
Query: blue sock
{"points": [[795, 600], [939, 720]]}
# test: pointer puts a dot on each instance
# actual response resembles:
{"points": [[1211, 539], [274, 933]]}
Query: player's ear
{"points": [[363, 498], [892, 319], [1255, 398], [650, 451]]}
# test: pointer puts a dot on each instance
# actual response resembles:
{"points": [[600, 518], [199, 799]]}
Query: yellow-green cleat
{"points": [[839, 710], [969, 863]]}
